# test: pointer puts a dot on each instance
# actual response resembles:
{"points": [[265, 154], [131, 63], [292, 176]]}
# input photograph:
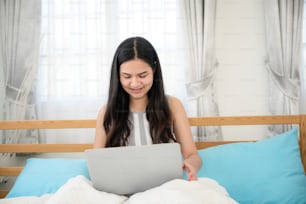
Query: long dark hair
{"points": [[116, 119]]}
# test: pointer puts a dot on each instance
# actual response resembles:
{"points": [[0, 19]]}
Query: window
{"points": [[79, 38]]}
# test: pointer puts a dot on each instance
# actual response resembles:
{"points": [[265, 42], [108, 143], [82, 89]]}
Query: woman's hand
{"points": [[190, 170]]}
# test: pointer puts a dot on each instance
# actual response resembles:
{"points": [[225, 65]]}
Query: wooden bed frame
{"points": [[299, 120]]}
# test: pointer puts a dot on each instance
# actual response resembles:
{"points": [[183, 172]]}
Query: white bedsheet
{"points": [[202, 191], [79, 190]]}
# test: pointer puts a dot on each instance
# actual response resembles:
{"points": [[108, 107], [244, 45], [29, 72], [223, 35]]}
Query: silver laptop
{"points": [[132, 169]]}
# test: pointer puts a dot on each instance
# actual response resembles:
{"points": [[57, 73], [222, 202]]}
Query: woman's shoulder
{"points": [[103, 108], [101, 113], [174, 103]]}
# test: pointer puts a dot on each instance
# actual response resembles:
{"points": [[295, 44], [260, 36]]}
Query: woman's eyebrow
{"points": [[142, 73], [124, 73]]}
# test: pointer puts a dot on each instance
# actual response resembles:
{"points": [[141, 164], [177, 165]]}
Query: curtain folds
{"points": [[200, 23], [283, 19], [19, 51], [303, 70]]}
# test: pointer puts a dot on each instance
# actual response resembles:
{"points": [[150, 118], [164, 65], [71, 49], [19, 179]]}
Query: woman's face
{"points": [[136, 78]]}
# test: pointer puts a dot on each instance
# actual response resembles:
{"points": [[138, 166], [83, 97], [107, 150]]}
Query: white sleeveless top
{"points": [[140, 134]]}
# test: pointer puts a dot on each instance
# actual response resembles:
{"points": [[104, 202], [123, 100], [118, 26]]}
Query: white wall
{"points": [[242, 78]]}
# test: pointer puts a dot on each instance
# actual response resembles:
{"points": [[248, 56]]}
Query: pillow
{"points": [[43, 176], [266, 171]]}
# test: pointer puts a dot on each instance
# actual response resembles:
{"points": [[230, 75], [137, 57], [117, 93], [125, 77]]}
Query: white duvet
{"points": [[79, 190]]}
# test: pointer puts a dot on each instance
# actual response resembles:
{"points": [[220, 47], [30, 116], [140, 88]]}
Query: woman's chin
{"points": [[137, 95]]}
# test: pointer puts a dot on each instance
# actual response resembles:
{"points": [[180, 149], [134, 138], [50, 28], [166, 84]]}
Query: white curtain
{"points": [[79, 39], [19, 48], [303, 71], [200, 22], [283, 19]]}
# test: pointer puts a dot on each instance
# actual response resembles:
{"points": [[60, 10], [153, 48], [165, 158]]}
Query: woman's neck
{"points": [[139, 104]]}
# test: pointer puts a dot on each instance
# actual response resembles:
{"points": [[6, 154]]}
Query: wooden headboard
{"points": [[299, 120]]}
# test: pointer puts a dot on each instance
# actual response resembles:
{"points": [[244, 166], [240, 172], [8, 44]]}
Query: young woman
{"points": [[137, 111]]}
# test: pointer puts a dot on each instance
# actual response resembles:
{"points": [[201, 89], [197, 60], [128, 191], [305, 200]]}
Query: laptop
{"points": [[132, 169]]}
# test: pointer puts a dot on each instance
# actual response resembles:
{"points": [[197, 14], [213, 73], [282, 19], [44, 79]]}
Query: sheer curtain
{"points": [[303, 70], [284, 20], [19, 48], [79, 39], [200, 23]]}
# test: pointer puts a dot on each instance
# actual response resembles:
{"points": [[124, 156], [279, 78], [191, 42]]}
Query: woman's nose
{"points": [[134, 82]]}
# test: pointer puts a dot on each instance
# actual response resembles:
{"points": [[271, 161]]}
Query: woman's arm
{"points": [[100, 135], [192, 161]]}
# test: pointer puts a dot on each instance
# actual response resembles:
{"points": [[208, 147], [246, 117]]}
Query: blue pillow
{"points": [[266, 171], [42, 176]]}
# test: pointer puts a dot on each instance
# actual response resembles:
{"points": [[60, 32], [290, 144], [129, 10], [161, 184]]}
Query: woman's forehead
{"points": [[135, 66]]}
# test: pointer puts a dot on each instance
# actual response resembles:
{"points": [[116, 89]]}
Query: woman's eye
{"points": [[143, 76], [126, 76]]}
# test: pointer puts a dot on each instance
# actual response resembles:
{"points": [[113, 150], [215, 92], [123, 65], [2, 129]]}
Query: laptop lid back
{"points": [[132, 169]]}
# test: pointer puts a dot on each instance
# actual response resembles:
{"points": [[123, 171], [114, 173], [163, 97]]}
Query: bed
{"points": [[271, 170]]}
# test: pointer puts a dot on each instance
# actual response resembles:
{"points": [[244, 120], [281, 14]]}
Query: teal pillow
{"points": [[266, 171], [42, 176]]}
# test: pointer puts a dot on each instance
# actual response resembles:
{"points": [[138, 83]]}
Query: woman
{"points": [[137, 111]]}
